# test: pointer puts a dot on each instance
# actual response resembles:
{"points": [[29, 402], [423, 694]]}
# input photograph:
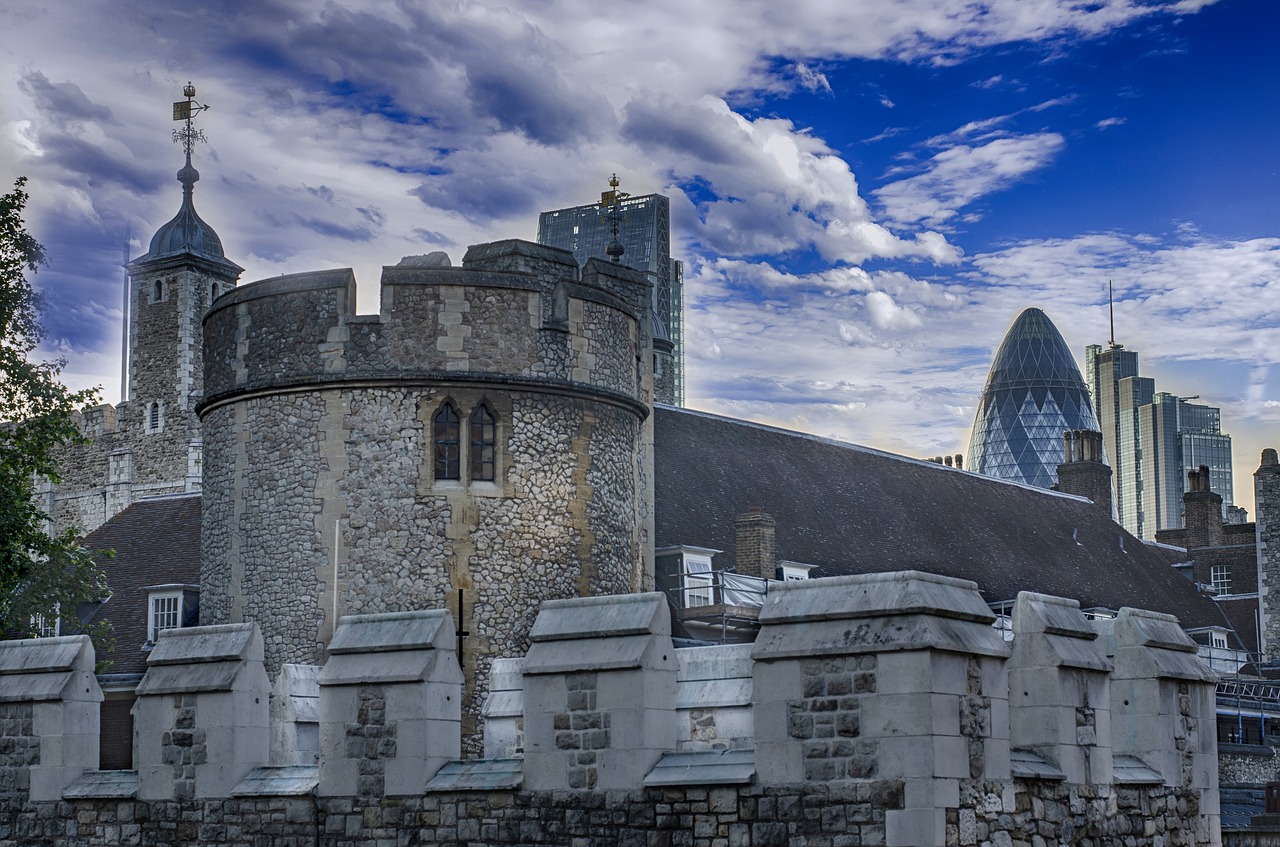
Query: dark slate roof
{"points": [[156, 542], [849, 509], [1241, 613], [187, 234]]}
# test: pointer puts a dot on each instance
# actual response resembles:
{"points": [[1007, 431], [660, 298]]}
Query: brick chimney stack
{"points": [[1266, 489], [1082, 471], [1202, 511], [755, 553]]}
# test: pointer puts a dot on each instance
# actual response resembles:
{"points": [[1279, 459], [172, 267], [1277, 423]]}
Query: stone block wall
{"points": [[881, 716], [127, 457], [321, 497], [1266, 484]]}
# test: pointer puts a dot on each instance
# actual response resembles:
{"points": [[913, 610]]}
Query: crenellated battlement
{"points": [[515, 313], [880, 709]]}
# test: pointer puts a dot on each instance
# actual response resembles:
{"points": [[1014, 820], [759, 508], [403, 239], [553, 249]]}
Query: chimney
{"points": [[1266, 489], [754, 551], [1082, 471], [960, 461], [1202, 511]]}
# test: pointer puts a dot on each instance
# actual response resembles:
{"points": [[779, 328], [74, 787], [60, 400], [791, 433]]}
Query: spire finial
{"points": [[188, 135], [610, 201]]}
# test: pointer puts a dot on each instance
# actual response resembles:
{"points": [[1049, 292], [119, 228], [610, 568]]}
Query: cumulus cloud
{"points": [[353, 133]]}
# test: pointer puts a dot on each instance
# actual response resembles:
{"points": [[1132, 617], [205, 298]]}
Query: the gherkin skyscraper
{"points": [[1034, 392]]}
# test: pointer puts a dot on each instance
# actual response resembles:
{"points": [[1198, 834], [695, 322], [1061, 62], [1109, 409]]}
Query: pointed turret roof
{"points": [[187, 234]]}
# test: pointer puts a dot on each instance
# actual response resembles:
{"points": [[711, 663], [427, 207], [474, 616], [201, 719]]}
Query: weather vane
{"points": [[185, 110], [610, 200]]}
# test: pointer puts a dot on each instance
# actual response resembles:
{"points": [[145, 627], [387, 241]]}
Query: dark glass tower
{"points": [[1034, 393], [645, 232]]}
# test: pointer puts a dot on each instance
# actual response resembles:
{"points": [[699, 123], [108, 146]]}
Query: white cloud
{"points": [[956, 177]]}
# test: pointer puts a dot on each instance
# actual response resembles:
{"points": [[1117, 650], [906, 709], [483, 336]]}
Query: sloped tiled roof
{"points": [[156, 542], [848, 510]]}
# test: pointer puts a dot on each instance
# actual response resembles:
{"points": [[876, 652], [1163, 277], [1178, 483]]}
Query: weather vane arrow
{"points": [[186, 110]]}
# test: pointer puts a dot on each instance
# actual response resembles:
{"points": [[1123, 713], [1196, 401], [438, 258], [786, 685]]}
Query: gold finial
{"points": [[614, 182]]}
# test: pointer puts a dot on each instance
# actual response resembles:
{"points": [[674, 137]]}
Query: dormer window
{"points": [[170, 607], [43, 626], [792, 571]]}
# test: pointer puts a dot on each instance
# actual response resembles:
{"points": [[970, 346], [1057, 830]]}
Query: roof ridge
{"points": [[872, 451]]}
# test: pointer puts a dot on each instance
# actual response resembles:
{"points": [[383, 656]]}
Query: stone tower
{"points": [[150, 443], [171, 287], [479, 445]]}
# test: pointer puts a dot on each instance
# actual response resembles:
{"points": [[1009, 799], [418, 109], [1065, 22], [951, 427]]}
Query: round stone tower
{"points": [[479, 446]]}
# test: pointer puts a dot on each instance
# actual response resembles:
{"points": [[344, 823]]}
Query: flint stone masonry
{"points": [[910, 655], [202, 712], [321, 498]]}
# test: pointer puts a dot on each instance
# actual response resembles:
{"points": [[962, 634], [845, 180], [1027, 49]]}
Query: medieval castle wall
{"points": [[324, 493], [878, 710], [150, 444]]}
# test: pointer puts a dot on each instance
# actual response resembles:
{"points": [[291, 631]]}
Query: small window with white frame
{"points": [[1220, 579], [1218, 640], [44, 626], [698, 583], [793, 571], [165, 612]]}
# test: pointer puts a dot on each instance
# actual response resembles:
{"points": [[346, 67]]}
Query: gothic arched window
{"points": [[448, 443], [483, 443], [153, 417]]}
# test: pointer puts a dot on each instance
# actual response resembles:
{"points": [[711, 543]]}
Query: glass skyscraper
{"points": [[1033, 394], [644, 229], [1152, 439]]}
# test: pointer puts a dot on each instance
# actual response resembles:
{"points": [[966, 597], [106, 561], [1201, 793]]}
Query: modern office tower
{"points": [[1033, 394], [644, 230], [1177, 436], [1152, 439]]}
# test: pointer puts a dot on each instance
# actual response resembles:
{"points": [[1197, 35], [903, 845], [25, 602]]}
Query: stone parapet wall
{"points": [[881, 714]]}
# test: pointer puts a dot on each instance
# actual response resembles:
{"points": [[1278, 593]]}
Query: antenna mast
{"points": [[1111, 309]]}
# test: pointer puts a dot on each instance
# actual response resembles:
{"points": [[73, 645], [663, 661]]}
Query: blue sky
{"points": [[866, 192]]}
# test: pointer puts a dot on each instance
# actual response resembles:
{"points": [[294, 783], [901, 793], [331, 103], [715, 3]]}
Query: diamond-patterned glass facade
{"points": [[1034, 393]]}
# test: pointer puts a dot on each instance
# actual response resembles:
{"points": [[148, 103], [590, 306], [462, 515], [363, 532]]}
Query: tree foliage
{"points": [[42, 575]]}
